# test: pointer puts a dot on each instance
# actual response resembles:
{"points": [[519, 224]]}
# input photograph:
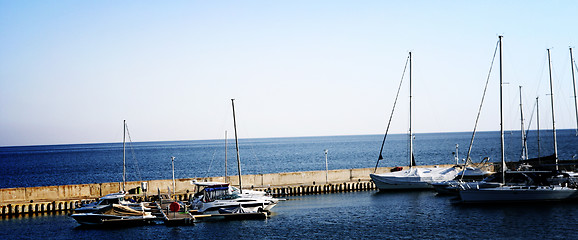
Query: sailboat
{"points": [[218, 197], [412, 178], [537, 188]]}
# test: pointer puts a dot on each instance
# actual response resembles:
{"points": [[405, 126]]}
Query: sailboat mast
{"points": [[574, 84], [226, 156], [237, 146], [123, 155], [553, 119], [410, 132], [524, 146], [538, 127], [502, 119]]}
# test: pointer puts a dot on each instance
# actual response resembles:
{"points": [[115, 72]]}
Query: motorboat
{"points": [[215, 196], [114, 198], [114, 214], [107, 200]]}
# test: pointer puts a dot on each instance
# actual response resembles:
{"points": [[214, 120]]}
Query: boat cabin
{"points": [[212, 191]]}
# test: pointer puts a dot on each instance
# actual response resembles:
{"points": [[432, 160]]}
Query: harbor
{"points": [[288, 120]]}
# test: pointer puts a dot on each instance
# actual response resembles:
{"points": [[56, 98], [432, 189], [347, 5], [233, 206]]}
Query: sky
{"points": [[72, 71]]}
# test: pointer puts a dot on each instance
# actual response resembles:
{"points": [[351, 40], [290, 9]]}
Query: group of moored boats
{"points": [[528, 183], [213, 198]]}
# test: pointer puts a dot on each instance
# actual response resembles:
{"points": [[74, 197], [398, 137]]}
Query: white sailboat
{"points": [[534, 190], [412, 178]]}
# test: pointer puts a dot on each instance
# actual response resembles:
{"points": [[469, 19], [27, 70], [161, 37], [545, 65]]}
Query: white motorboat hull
{"points": [[215, 206], [415, 178], [218, 196], [518, 194]]}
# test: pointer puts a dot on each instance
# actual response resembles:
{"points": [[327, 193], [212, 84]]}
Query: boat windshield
{"points": [[218, 193], [108, 201]]}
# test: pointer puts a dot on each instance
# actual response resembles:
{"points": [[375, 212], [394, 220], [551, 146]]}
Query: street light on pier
{"points": [[326, 169]]}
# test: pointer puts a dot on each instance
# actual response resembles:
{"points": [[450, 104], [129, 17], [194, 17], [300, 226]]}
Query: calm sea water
{"points": [[353, 215], [29, 166]]}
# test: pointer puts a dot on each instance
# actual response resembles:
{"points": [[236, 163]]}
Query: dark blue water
{"points": [[354, 215], [29, 166]]}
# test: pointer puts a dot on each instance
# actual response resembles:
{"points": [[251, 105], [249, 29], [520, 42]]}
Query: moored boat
{"points": [[114, 214], [107, 200], [215, 196], [414, 177], [510, 193]]}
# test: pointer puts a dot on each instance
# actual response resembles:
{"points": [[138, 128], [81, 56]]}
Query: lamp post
{"points": [[173, 163], [326, 169]]}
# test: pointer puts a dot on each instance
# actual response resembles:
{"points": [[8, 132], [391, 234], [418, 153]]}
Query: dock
{"points": [[170, 216], [164, 210], [30, 200]]}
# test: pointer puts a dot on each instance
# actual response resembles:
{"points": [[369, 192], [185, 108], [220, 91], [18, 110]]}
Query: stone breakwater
{"points": [[14, 201]]}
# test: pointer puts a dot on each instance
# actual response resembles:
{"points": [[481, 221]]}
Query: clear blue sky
{"points": [[72, 71]]}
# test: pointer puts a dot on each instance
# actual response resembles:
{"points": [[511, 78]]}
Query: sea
{"points": [[350, 215]]}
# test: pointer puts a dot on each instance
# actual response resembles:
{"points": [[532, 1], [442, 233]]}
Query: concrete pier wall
{"points": [[67, 197]]}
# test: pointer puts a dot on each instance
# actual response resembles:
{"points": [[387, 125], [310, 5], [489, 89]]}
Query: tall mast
{"points": [[237, 146], [524, 146], [410, 132], [226, 156], [574, 84], [538, 126], [502, 119], [123, 155], [553, 119]]}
